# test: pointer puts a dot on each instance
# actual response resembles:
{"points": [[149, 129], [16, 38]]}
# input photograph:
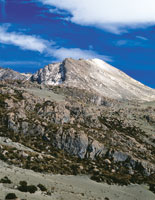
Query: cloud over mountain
{"points": [[26, 42], [113, 15], [36, 43]]}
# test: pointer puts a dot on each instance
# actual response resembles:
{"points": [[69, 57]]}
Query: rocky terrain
{"points": [[58, 129]]}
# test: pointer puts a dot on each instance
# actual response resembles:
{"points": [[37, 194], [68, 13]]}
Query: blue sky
{"points": [[34, 33]]}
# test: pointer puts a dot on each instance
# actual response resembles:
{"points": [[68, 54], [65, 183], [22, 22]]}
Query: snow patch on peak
{"points": [[103, 65]]}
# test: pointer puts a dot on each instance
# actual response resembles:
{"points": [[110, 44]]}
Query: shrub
{"points": [[10, 196], [5, 180], [31, 188], [152, 187], [42, 187], [23, 186], [23, 183], [27, 188]]}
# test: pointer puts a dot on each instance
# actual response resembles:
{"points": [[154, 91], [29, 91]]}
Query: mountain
{"points": [[8, 74], [60, 121], [94, 76]]}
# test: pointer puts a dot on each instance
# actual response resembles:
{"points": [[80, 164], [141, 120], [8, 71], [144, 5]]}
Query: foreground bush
{"points": [[27, 188], [5, 180], [11, 196]]}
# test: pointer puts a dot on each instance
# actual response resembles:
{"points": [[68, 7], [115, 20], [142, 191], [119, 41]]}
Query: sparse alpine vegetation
{"points": [[112, 141], [76, 137]]}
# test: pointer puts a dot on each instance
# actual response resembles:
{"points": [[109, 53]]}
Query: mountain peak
{"points": [[96, 76]]}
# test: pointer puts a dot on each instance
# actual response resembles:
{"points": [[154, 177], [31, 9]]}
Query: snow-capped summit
{"points": [[96, 76]]}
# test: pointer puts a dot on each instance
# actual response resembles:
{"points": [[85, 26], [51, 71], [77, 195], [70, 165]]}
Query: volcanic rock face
{"points": [[95, 76]]}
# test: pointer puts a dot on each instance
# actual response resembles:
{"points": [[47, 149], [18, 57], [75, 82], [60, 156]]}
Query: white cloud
{"points": [[132, 43], [77, 53], [26, 42], [121, 42], [113, 15], [57, 11], [35, 43], [142, 38]]}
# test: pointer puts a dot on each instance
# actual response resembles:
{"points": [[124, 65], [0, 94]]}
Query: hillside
{"points": [[61, 129]]}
